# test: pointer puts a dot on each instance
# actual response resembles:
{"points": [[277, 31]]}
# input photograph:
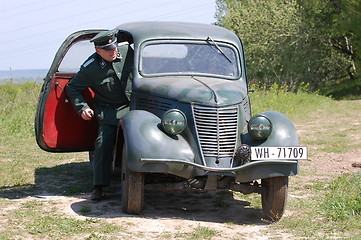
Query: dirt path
{"points": [[169, 215], [182, 212]]}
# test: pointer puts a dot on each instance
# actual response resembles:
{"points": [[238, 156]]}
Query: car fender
{"points": [[283, 131], [145, 139]]}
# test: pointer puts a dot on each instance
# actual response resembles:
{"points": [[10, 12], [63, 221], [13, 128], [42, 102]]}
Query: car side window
{"points": [[75, 56]]}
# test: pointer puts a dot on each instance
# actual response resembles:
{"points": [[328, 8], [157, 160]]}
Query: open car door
{"points": [[58, 128]]}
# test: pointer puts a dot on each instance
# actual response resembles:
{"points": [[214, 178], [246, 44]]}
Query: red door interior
{"points": [[61, 128], [58, 127]]}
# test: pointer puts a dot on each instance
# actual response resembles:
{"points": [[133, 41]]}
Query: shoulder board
{"points": [[88, 62]]}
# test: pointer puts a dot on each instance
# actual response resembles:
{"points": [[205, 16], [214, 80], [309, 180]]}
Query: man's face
{"points": [[108, 55]]}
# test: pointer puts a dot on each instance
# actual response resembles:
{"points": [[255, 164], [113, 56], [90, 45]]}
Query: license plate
{"points": [[279, 153]]}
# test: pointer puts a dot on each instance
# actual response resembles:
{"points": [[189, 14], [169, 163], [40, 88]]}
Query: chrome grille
{"points": [[216, 129]]}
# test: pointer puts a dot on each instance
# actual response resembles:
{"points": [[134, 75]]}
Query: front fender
{"points": [[283, 132], [144, 139]]}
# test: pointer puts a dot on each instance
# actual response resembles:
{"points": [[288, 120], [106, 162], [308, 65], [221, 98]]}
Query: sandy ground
{"points": [[167, 215]]}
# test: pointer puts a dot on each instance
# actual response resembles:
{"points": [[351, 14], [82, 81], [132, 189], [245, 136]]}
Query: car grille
{"points": [[216, 129]]}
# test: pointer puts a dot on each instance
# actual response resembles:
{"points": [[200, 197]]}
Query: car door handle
{"points": [[62, 89]]}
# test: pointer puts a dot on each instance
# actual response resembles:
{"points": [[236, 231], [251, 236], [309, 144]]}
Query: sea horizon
{"points": [[22, 75]]}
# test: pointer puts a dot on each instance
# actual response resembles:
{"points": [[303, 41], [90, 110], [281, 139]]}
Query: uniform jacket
{"points": [[110, 81]]}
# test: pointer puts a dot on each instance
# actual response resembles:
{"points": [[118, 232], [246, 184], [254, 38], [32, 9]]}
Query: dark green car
{"points": [[189, 124]]}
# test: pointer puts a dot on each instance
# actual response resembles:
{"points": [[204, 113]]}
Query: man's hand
{"points": [[87, 114]]}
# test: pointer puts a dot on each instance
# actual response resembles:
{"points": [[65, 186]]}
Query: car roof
{"points": [[142, 31]]}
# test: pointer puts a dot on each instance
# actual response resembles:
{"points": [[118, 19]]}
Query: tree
{"points": [[336, 25], [292, 42]]}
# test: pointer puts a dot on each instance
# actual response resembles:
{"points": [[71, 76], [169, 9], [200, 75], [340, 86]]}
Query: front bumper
{"points": [[245, 173]]}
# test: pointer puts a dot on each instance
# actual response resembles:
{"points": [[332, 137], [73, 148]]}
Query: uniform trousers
{"points": [[103, 154]]}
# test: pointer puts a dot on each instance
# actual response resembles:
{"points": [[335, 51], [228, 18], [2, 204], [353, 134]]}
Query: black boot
{"points": [[97, 193]]}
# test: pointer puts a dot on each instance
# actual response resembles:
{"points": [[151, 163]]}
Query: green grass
{"points": [[33, 219], [25, 168], [199, 233], [17, 108], [321, 210], [294, 105], [330, 211], [319, 112], [343, 199]]}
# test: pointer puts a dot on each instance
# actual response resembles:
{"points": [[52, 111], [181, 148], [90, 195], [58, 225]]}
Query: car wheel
{"points": [[274, 198], [132, 188]]}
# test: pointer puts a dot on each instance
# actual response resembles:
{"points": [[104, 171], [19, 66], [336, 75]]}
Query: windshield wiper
{"points": [[218, 48]]}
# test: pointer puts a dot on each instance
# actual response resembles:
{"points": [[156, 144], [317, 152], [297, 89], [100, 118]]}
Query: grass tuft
{"points": [[343, 199]]}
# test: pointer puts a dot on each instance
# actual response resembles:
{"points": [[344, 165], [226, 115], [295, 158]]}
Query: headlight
{"points": [[174, 121], [259, 127]]}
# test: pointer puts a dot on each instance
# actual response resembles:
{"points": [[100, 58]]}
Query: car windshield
{"points": [[206, 58]]}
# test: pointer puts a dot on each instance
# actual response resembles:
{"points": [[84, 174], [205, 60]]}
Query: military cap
{"points": [[105, 40]]}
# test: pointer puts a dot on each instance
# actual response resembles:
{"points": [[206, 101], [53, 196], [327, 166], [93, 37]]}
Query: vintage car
{"points": [[189, 124]]}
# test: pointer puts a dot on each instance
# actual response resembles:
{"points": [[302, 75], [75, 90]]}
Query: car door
{"points": [[58, 128]]}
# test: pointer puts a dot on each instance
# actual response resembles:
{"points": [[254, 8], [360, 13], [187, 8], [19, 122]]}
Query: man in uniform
{"points": [[108, 72]]}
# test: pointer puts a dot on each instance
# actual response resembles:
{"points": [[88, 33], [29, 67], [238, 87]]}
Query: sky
{"points": [[31, 31]]}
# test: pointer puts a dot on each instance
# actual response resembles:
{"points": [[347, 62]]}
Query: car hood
{"points": [[200, 90]]}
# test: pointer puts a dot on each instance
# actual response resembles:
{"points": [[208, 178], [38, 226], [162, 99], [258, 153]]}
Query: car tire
{"points": [[274, 198], [132, 188]]}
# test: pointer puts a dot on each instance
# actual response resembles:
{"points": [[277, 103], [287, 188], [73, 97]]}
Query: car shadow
{"points": [[63, 180], [75, 180], [215, 206]]}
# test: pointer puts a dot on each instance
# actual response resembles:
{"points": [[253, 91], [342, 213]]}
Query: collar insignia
{"points": [[119, 56], [102, 63]]}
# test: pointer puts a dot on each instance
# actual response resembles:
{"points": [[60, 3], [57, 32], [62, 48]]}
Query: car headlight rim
{"points": [[259, 127], [174, 121]]}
